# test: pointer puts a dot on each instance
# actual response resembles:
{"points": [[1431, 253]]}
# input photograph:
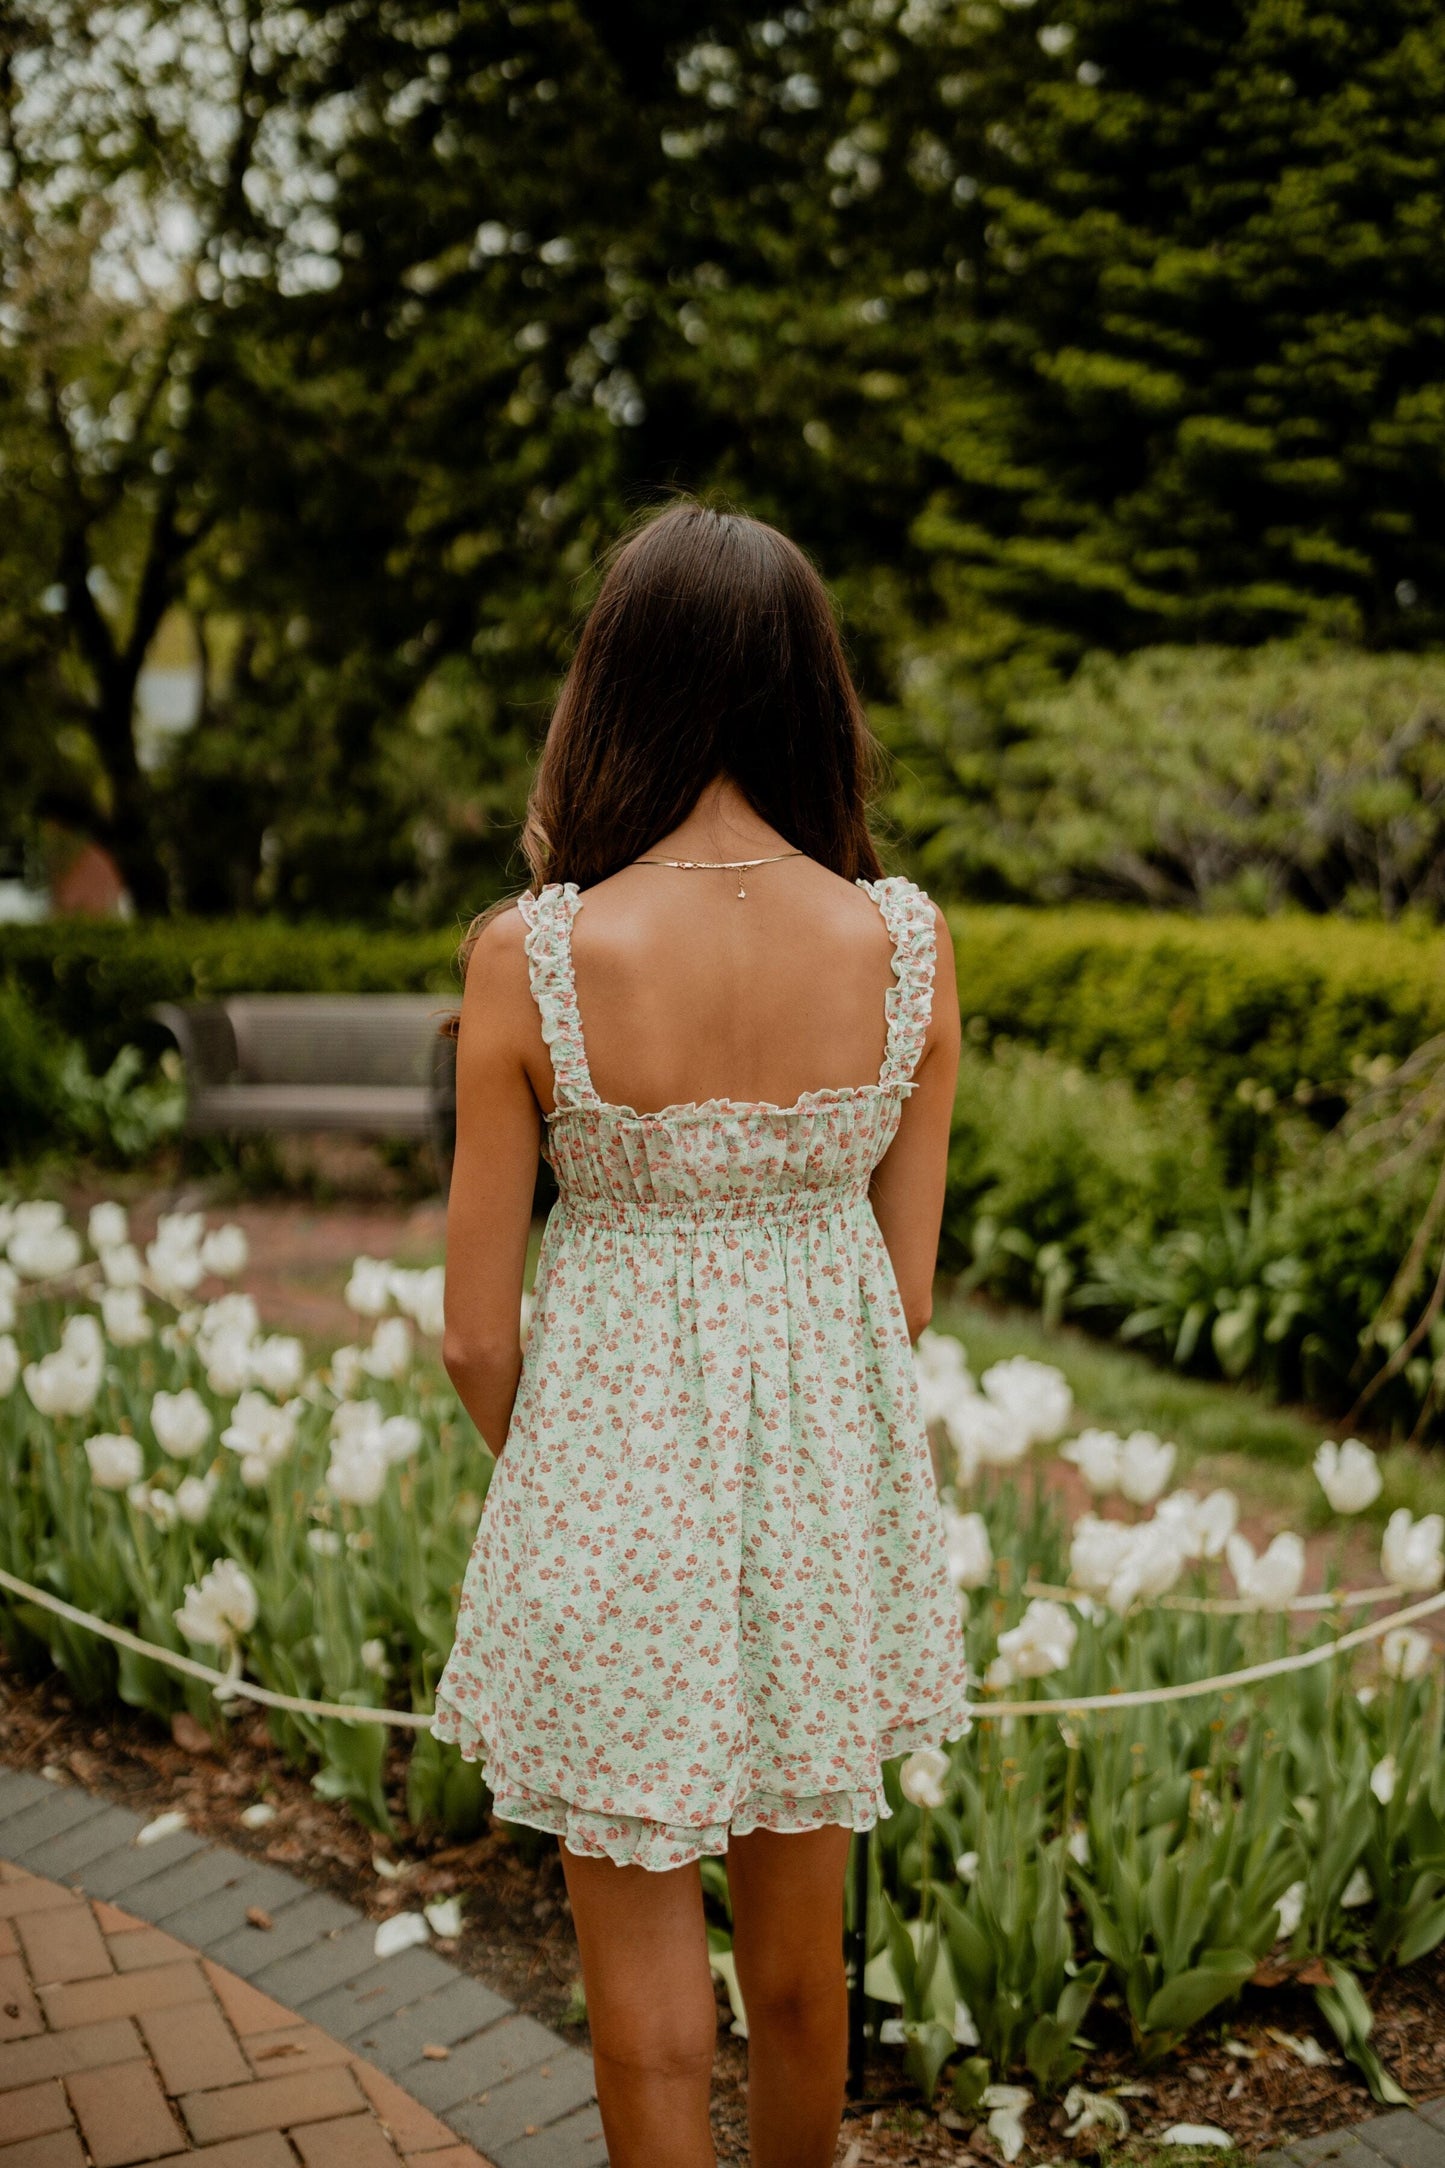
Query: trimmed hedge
{"points": [[96, 981], [1135, 994], [1297, 1005]]}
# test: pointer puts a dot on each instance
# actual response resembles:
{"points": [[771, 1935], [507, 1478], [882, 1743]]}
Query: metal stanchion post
{"points": [[857, 2000]]}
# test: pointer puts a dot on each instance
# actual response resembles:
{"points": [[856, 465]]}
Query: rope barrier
{"points": [[231, 1686], [1344, 1599]]}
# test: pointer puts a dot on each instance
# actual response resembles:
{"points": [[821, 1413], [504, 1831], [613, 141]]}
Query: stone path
{"points": [[1405, 2138], [145, 2020]]}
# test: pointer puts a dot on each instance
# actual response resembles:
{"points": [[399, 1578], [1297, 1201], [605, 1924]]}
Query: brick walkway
{"points": [[146, 2019]]}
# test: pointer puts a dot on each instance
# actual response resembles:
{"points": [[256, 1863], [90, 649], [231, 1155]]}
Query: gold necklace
{"points": [[718, 865]]}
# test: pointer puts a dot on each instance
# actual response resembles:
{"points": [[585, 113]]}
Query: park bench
{"points": [[373, 1064]]}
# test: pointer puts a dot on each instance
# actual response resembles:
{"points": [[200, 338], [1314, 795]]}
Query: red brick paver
{"points": [[121, 2048]]}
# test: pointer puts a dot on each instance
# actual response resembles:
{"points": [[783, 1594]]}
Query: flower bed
{"points": [[1049, 1881]]}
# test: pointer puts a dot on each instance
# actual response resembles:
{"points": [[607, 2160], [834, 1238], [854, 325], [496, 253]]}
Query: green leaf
{"points": [[927, 2046], [1189, 1996]]}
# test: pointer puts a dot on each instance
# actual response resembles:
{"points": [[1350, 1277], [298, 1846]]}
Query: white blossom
{"points": [[389, 1354], [9, 1365], [403, 1931], [1095, 1453], [194, 1497], [1037, 1394], [278, 1364], [325, 1542], [1383, 1779], [1042, 1642], [1272, 1579], [225, 1251], [1359, 1890], [125, 1317], [938, 1361], [1204, 1525], [346, 1371], [368, 1291], [969, 1552], [42, 1251], [115, 1461], [9, 1282], [181, 1422], [1406, 1654], [1349, 1475], [67, 1381], [923, 1776], [373, 1657], [157, 1504], [444, 1916], [1007, 2105], [227, 1357], [1410, 1555], [1150, 1566], [108, 1226], [420, 1295], [122, 1265], [220, 1606], [261, 1435], [984, 1434], [1077, 1845], [1145, 1466], [174, 1257]]}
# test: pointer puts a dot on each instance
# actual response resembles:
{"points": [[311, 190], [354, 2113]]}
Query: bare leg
{"points": [[787, 1893], [650, 2008]]}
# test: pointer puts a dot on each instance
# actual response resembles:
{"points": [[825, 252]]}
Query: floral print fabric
{"points": [[709, 1590]]}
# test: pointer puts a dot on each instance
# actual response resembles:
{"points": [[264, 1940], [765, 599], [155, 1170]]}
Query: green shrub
{"points": [[32, 1095], [95, 982]]}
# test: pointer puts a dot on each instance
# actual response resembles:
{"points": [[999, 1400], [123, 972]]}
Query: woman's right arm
{"points": [[908, 1182], [494, 1175]]}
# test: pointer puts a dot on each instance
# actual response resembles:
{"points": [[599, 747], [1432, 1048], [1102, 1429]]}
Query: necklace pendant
{"points": [[741, 891]]}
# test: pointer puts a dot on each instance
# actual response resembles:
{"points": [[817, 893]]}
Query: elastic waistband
{"points": [[800, 1207]]}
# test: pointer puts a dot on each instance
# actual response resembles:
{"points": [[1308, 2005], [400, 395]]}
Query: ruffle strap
{"points": [[908, 1005], [548, 916]]}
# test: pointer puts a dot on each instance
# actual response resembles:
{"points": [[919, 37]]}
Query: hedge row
{"points": [[1284, 1001], [1296, 1004]]}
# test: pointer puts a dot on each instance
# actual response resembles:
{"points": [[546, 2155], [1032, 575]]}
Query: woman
{"points": [[709, 1593]]}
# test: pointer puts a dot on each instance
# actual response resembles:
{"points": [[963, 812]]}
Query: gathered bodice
{"points": [[703, 1161]]}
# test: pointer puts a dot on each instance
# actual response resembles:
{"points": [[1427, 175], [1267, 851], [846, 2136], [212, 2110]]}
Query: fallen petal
{"points": [[164, 1825], [1195, 2134], [403, 1931]]}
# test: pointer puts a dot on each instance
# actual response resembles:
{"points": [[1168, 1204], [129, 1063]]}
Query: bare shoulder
{"points": [[497, 986]]}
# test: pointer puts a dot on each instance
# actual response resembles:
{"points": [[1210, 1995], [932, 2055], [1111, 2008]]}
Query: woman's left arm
{"points": [[494, 1176], [908, 1184]]}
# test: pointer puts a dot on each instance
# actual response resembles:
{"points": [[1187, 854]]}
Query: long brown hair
{"points": [[711, 649]]}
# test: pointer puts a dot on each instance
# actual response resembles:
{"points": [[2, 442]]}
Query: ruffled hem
{"points": [[658, 1845], [908, 1004]]}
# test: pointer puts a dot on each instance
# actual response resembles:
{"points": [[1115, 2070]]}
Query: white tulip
{"points": [[232, 1316], [390, 1351], [115, 1461], [67, 1381], [325, 1542], [373, 1657], [44, 1253], [1411, 1555], [158, 1505], [227, 1358], [7, 1222], [37, 1215], [1406, 1654], [278, 1364], [1150, 1566], [1271, 1580], [108, 1226], [219, 1607], [9, 1365], [368, 1291], [1037, 1394], [984, 1434], [125, 1317], [1145, 1466], [966, 1866], [420, 1295], [1383, 1779], [399, 1437], [1349, 1475], [938, 1361], [1291, 1910], [347, 1375], [225, 1251], [1077, 1845], [923, 1777], [181, 1422], [122, 1265], [9, 1282], [356, 1473], [1203, 1525], [173, 1258], [261, 1434], [1359, 1890], [969, 1552], [194, 1496], [1095, 1453], [1097, 1551], [1042, 1642]]}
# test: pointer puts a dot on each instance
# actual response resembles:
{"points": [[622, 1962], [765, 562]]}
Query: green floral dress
{"points": [[709, 1591]]}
